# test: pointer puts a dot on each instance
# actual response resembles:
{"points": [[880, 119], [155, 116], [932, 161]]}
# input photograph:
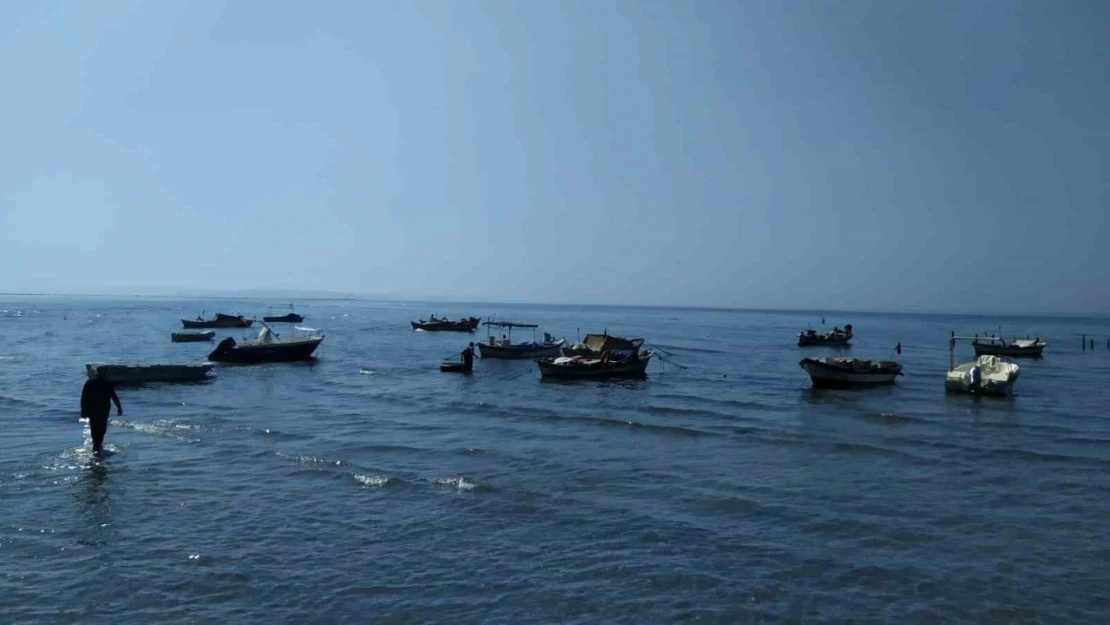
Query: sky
{"points": [[889, 155]]}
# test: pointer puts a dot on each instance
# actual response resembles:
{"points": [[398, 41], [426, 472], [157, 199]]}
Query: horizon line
{"points": [[337, 296]]}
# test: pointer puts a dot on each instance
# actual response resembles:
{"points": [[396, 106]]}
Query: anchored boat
{"points": [[268, 347], [845, 372], [610, 365], [835, 338], [220, 321], [504, 347], [987, 375], [290, 317], [1015, 348], [434, 324]]}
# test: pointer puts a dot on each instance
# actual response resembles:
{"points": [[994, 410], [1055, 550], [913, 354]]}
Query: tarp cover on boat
{"points": [[605, 342]]}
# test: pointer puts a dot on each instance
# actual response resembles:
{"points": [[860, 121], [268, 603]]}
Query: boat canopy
{"points": [[608, 342]]}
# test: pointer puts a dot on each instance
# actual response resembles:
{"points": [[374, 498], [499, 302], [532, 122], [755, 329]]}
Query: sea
{"points": [[368, 487]]}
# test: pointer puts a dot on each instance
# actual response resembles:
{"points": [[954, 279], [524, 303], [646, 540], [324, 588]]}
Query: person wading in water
{"points": [[96, 404], [468, 357]]}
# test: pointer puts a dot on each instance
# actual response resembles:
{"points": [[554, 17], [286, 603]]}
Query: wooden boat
{"points": [[987, 375], [192, 337], [452, 366], [290, 317], [846, 372], [141, 373], [595, 345], [266, 348], [220, 321], [504, 348], [617, 365], [446, 325], [1015, 348], [835, 338]]}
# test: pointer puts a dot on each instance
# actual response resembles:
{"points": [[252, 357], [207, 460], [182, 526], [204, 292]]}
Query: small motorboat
{"points": [[846, 372], [220, 321], [435, 324], [504, 348], [268, 347], [988, 375], [451, 366], [1015, 348], [631, 364], [594, 345], [834, 338], [192, 337], [141, 373], [290, 317]]}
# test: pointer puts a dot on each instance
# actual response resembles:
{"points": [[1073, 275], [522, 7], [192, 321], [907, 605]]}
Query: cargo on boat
{"points": [[611, 365]]}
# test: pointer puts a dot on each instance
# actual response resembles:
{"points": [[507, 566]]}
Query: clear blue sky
{"points": [[865, 155]]}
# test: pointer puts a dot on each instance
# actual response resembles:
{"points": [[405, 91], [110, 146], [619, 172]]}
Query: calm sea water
{"points": [[369, 487]]}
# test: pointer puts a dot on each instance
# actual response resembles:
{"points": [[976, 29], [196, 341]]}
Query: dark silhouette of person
{"points": [[96, 404], [468, 356]]}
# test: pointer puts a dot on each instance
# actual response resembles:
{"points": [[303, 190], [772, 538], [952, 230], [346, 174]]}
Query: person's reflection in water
{"points": [[93, 502]]}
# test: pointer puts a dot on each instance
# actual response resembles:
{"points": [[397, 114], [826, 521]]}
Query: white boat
{"points": [[988, 375], [140, 373], [845, 372]]}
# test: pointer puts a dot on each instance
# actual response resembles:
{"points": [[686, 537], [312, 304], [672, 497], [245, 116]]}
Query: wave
{"points": [[376, 481], [462, 483]]}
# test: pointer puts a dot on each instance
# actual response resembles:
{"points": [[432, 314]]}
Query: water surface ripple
{"points": [[722, 489]]}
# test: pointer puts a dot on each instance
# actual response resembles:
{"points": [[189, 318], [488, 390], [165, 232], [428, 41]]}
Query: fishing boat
{"points": [[435, 324], [220, 321], [268, 347], [595, 345], [141, 373], [987, 375], [994, 345], [834, 338], [611, 365], [504, 347], [846, 372], [192, 337], [290, 317]]}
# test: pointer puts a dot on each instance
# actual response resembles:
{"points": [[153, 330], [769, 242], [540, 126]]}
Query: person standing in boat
{"points": [[96, 404], [468, 356]]}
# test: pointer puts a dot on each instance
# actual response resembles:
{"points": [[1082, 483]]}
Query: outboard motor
{"points": [[222, 348], [975, 378]]}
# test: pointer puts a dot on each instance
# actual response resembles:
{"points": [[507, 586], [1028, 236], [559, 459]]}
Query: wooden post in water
{"points": [[1084, 342], [952, 351]]}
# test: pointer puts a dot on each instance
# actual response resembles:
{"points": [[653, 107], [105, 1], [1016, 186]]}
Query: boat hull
{"points": [[595, 370], [830, 376], [290, 318], [455, 367], [520, 352], [1013, 351], [232, 322], [192, 337], [250, 353], [124, 373], [822, 341], [465, 325]]}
